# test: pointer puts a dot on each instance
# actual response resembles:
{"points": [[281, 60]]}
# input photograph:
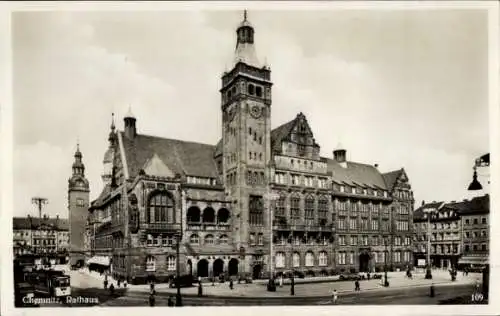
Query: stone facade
{"points": [[458, 230], [259, 188]]}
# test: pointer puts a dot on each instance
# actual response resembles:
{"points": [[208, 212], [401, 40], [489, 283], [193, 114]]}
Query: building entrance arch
{"points": [[233, 267], [364, 262], [202, 268], [256, 272], [218, 267]]}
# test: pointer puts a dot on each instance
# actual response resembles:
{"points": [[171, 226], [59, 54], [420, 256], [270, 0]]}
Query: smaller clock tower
{"points": [[78, 205]]}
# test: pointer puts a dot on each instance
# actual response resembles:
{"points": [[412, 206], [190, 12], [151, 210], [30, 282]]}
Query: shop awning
{"points": [[100, 260], [474, 260]]}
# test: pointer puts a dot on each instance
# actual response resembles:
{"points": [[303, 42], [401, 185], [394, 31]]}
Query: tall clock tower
{"points": [[78, 205], [246, 130]]}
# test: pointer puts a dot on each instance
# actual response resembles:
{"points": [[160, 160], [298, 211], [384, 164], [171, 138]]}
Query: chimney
{"points": [[423, 202], [130, 128]]}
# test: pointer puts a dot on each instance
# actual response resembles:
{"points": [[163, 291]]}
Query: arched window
{"points": [[295, 205], [309, 259], [223, 239], [280, 260], [161, 209], [323, 259], [251, 89], [194, 239], [150, 264], [309, 210], [209, 239], [193, 214], [208, 215], [222, 216], [296, 259], [171, 264]]}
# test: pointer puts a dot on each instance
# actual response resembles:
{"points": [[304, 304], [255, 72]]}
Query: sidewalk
{"points": [[307, 290]]}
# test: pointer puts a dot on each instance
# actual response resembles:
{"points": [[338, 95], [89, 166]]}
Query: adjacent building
{"points": [[41, 237], [227, 204], [458, 232]]}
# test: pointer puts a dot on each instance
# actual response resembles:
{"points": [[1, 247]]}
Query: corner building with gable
{"points": [[226, 203]]}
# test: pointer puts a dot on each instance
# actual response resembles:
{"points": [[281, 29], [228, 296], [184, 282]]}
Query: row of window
{"points": [[476, 234], [373, 240], [344, 258], [439, 236], [254, 156], [109, 242], [358, 190], [295, 207], [298, 240], [295, 179], [255, 178], [201, 180], [423, 226], [476, 221], [309, 259], [260, 239], [151, 263], [364, 224], [209, 239], [475, 247], [254, 134], [402, 225]]}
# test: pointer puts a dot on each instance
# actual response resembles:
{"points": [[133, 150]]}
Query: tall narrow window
{"points": [[256, 210], [161, 208], [295, 206], [309, 210]]}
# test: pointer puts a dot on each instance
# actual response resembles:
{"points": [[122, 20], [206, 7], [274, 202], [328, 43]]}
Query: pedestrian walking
{"points": [[106, 284], [431, 294], [119, 282], [281, 280], [200, 290], [356, 286], [125, 284], [152, 300], [231, 283], [112, 289], [334, 296], [170, 301]]}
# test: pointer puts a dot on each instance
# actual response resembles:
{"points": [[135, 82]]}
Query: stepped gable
{"points": [[181, 157]]}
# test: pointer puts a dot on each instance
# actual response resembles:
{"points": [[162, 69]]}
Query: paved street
{"points": [[401, 291]]}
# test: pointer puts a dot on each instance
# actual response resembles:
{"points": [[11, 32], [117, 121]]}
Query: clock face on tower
{"points": [[256, 111]]}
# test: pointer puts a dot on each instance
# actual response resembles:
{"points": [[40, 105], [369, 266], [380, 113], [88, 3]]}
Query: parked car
{"points": [[183, 280]]}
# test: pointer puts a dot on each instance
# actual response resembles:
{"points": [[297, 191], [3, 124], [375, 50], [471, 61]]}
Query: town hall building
{"points": [[261, 201]]}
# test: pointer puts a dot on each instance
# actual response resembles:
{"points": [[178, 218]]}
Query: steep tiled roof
{"points": [[355, 174], [218, 148], [34, 222], [418, 214], [391, 177], [480, 204], [182, 157], [280, 133], [104, 194]]}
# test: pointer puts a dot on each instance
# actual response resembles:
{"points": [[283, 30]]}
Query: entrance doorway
{"points": [[202, 268], [218, 267], [257, 270], [189, 267], [233, 267], [364, 262]]}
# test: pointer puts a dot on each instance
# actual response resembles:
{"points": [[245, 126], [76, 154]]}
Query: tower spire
{"points": [[245, 15], [245, 49]]}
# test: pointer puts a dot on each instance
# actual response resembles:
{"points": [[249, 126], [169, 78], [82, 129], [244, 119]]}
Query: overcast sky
{"points": [[398, 88]]}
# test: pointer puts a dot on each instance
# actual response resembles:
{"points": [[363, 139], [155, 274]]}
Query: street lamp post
{"points": [[386, 282], [178, 297], [271, 286], [428, 272]]}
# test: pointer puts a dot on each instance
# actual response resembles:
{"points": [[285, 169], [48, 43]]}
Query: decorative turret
{"points": [[245, 49], [107, 175], [78, 180], [130, 128]]}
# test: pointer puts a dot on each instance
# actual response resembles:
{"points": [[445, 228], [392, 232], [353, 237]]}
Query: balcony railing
{"points": [[209, 226], [161, 226]]}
